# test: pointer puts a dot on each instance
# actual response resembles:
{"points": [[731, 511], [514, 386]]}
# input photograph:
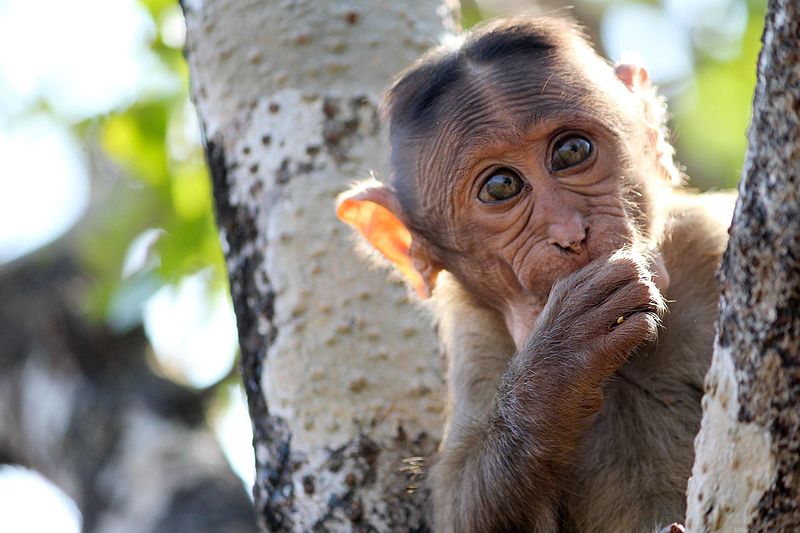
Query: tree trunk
{"points": [[79, 404], [746, 475], [343, 375]]}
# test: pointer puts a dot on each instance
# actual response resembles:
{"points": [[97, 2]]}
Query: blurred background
{"points": [[102, 164]]}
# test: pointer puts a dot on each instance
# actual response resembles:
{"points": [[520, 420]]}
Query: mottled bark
{"points": [[746, 475], [79, 404], [342, 373]]}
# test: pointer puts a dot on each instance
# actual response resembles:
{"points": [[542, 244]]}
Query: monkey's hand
{"points": [[596, 317]]}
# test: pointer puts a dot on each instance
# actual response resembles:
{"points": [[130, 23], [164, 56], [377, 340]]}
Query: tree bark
{"points": [[746, 475], [342, 373], [79, 404]]}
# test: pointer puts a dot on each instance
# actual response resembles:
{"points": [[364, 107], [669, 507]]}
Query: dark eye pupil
{"points": [[569, 152], [499, 187]]}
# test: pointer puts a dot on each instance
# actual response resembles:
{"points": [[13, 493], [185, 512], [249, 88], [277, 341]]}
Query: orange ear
{"points": [[371, 210]]}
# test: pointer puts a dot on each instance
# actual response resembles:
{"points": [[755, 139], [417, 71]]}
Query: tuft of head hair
{"points": [[416, 90]]}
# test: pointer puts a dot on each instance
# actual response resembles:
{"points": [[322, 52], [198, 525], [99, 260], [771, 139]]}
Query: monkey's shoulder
{"points": [[695, 237], [696, 227]]}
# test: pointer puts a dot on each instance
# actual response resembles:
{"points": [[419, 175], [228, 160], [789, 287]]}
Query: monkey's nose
{"points": [[569, 237]]}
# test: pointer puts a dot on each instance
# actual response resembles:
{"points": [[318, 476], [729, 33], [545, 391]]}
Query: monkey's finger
{"points": [[634, 297], [614, 276], [637, 329]]}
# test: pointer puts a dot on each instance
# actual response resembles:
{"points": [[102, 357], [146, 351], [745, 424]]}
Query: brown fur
{"points": [[630, 470], [577, 313]]}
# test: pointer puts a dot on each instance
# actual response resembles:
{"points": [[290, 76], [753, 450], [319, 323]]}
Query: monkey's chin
{"points": [[521, 318]]}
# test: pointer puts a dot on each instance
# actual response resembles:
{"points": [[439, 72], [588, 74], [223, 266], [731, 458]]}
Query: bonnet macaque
{"points": [[534, 195]]}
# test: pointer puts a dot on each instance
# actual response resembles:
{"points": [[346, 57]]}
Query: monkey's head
{"points": [[518, 157]]}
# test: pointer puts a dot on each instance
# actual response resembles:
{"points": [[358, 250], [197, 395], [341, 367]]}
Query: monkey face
{"points": [[531, 206], [516, 161], [528, 179]]}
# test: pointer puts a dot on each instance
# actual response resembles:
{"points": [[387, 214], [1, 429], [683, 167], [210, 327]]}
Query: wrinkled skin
{"points": [[539, 180], [559, 223]]}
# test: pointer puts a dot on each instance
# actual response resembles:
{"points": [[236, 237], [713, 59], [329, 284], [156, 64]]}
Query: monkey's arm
{"points": [[514, 428], [502, 473]]}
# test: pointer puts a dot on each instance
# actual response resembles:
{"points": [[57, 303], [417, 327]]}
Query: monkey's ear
{"points": [[373, 210], [634, 76]]}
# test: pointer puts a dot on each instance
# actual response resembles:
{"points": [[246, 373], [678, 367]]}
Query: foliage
{"points": [[155, 143], [712, 114]]}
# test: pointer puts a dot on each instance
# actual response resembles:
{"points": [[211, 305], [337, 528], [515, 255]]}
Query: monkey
{"points": [[534, 195]]}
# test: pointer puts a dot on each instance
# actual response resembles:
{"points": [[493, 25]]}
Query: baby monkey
{"points": [[534, 194]]}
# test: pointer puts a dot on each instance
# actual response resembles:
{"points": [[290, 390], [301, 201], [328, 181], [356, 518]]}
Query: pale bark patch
{"points": [[731, 452]]}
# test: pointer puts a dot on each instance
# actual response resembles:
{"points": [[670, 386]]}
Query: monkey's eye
{"points": [[501, 185], [569, 152]]}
